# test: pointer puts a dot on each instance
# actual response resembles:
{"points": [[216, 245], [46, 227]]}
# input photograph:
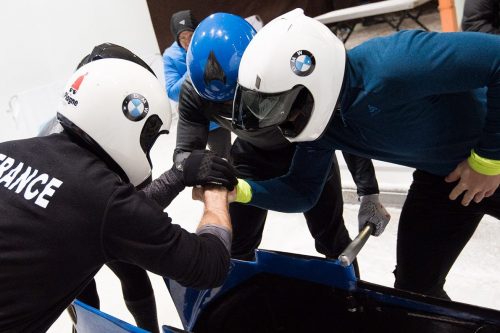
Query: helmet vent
{"points": [[257, 82], [150, 132], [213, 70]]}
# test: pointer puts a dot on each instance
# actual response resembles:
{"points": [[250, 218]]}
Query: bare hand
{"points": [[200, 193], [474, 185]]}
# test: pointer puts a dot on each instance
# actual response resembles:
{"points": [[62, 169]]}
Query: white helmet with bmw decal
{"points": [[290, 75], [119, 108]]}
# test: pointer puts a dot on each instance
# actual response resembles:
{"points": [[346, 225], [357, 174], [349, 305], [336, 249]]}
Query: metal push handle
{"points": [[351, 251]]}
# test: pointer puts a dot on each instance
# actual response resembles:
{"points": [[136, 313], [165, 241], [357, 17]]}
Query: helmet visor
{"points": [[253, 109]]}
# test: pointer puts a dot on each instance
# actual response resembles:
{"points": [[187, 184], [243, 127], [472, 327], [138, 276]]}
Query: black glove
{"points": [[203, 167]]}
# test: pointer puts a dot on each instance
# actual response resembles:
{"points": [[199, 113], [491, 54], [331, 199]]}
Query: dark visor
{"points": [[253, 110]]}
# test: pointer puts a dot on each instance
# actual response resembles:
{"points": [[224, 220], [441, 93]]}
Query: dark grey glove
{"points": [[372, 211], [203, 167]]}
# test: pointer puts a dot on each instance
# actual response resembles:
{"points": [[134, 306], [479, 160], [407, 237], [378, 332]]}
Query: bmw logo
{"points": [[302, 63], [135, 107]]}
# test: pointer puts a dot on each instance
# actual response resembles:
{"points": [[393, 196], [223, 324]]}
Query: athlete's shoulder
{"points": [[188, 87], [53, 170], [189, 100], [77, 163]]}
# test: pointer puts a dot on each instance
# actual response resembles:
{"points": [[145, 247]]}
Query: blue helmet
{"points": [[215, 53]]}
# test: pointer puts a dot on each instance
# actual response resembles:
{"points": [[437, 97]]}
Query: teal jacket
{"points": [[415, 98]]}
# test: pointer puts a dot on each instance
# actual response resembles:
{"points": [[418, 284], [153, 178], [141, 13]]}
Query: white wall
{"points": [[459, 8], [42, 41]]}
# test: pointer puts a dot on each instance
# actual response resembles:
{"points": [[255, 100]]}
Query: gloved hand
{"points": [[203, 167], [372, 211]]}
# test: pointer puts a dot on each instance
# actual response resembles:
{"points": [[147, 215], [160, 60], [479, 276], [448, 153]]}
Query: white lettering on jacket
{"points": [[32, 187]]}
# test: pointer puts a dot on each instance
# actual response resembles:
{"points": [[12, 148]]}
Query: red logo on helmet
{"points": [[76, 85]]}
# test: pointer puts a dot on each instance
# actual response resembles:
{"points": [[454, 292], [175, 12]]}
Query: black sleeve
{"points": [[192, 127], [165, 188], [363, 174], [136, 231], [482, 16]]}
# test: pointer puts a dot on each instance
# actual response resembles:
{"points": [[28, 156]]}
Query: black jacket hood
{"points": [[182, 21]]}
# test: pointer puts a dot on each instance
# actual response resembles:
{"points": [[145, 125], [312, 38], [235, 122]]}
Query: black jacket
{"points": [[482, 16], [64, 213]]}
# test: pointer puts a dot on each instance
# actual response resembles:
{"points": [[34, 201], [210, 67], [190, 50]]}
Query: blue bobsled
{"points": [[284, 292], [87, 319]]}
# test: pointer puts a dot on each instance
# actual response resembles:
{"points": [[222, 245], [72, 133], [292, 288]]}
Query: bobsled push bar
{"points": [[351, 251]]}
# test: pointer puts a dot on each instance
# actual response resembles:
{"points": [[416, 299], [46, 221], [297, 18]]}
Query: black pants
{"points": [[137, 293], [134, 280], [325, 220], [432, 232]]}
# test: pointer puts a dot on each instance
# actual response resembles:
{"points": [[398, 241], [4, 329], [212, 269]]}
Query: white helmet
{"points": [[119, 108], [290, 75]]}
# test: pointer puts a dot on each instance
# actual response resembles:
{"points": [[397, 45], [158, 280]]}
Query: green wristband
{"points": [[483, 165], [243, 191]]}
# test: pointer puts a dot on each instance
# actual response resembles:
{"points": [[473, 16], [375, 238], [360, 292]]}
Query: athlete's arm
{"points": [[192, 127], [165, 188], [371, 210], [201, 167], [363, 174], [299, 189], [216, 218], [135, 230]]}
